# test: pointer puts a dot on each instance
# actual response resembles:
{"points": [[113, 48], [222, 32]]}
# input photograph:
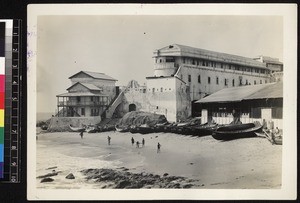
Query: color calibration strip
{"points": [[12, 91], [2, 95]]}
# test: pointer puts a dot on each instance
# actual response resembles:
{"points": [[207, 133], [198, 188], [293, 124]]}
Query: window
{"points": [[153, 89], [225, 82], [246, 82], [266, 81], [208, 80], [189, 78], [82, 111], [229, 66], [277, 112], [203, 63], [232, 82], [193, 62], [217, 80], [78, 99], [254, 82], [241, 81], [221, 65], [206, 63], [255, 112], [161, 89], [260, 81], [169, 60], [160, 60], [199, 79], [183, 60]]}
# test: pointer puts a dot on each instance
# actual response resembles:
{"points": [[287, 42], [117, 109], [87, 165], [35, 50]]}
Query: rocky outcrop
{"points": [[123, 179]]}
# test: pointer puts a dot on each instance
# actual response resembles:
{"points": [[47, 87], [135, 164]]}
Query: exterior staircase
{"points": [[108, 113]]}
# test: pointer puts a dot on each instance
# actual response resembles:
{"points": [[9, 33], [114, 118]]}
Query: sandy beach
{"points": [[252, 163]]}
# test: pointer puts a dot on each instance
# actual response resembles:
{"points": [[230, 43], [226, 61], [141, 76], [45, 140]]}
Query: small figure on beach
{"points": [[81, 134], [143, 142], [137, 144], [158, 147], [132, 140], [108, 139]]}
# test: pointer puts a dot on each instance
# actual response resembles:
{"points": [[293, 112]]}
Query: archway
{"points": [[132, 107]]}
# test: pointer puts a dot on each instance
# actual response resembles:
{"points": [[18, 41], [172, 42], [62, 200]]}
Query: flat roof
{"points": [[187, 51]]}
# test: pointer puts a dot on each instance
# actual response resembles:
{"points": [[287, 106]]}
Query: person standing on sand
{"points": [[108, 139], [143, 142], [132, 141], [158, 147], [137, 144], [81, 134]]}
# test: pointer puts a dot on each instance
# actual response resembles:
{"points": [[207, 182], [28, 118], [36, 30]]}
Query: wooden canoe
{"points": [[77, 129], [236, 131]]}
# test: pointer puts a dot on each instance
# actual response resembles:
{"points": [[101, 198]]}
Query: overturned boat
{"points": [[76, 129], [120, 128], [236, 131]]}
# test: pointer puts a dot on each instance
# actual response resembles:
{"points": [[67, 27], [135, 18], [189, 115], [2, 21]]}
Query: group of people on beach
{"points": [[132, 142]]}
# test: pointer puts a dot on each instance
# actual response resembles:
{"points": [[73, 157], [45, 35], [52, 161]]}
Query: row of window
{"points": [[161, 89], [225, 81], [208, 63]]}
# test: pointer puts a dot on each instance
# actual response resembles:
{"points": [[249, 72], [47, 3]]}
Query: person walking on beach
{"points": [[81, 134], [132, 141], [158, 147], [137, 144], [108, 139], [143, 142]]}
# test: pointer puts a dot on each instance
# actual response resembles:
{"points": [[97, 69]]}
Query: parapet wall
{"points": [[61, 124]]}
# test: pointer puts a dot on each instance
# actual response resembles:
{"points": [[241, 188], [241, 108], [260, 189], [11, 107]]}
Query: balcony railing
{"points": [[82, 103]]}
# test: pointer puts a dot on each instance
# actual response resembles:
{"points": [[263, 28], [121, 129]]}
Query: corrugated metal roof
{"points": [[275, 90], [236, 94], [82, 94], [90, 86], [95, 75], [87, 85], [211, 55]]}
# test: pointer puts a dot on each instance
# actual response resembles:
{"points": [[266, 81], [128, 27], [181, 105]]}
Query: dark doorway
{"points": [[132, 107], [196, 110]]}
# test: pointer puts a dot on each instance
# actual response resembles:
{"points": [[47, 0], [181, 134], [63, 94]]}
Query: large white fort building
{"points": [[183, 75]]}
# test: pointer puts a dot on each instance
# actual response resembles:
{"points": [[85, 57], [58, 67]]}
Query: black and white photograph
{"points": [[187, 101]]}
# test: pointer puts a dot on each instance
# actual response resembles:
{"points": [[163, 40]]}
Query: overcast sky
{"points": [[122, 46]]}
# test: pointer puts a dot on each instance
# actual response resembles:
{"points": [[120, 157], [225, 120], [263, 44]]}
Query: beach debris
{"points": [[53, 167], [124, 179], [48, 175], [191, 163], [187, 185], [70, 176], [45, 180]]}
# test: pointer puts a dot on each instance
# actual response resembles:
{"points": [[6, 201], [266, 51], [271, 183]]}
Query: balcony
{"points": [[82, 103]]}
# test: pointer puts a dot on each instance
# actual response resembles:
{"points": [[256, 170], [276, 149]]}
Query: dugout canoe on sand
{"points": [[236, 131], [76, 129]]}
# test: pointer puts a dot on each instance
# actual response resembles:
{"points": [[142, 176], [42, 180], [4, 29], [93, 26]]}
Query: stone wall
{"points": [[61, 124]]}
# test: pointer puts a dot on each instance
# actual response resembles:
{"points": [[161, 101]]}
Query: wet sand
{"points": [[251, 163]]}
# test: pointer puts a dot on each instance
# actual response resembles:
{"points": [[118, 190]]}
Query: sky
{"points": [[122, 46]]}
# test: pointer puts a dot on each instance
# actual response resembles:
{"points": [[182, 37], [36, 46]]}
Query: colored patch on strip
{"points": [[1, 153], [1, 118], [1, 135], [2, 83], [2, 100]]}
